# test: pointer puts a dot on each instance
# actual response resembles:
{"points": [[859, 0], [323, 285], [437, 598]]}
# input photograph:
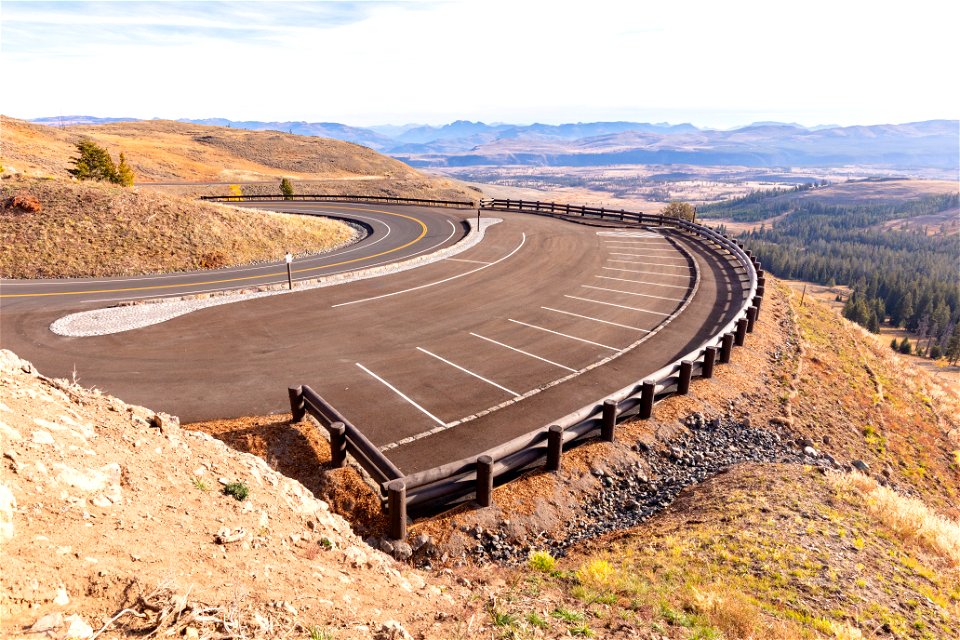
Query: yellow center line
{"points": [[423, 232]]}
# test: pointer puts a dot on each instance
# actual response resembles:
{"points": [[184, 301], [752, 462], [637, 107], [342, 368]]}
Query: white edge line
{"points": [[523, 240], [526, 353], [577, 315], [404, 396], [468, 372], [533, 326]]}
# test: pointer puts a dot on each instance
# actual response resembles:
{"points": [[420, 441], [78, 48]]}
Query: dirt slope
{"points": [[103, 512], [166, 151], [94, 229]]}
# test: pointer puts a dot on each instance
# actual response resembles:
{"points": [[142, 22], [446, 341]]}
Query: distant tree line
{"points": [[757, 205], [907, 277]]}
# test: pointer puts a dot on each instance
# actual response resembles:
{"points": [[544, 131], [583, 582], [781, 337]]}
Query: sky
{"points": [[362, 63]]}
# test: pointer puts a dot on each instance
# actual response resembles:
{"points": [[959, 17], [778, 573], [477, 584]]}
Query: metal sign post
{"points": [[289, 259]]}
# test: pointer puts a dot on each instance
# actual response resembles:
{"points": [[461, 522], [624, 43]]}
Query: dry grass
{"points": [[165, 151], [911, 519], [88, 229]]}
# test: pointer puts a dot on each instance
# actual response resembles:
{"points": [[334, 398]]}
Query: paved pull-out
{"points": [[435, 363]]}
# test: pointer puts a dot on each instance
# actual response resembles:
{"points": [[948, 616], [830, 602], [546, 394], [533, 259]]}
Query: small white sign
{"points": [[289, 258]]}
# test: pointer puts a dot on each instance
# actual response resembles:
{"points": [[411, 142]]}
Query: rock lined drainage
{"points": [[632, 493]]}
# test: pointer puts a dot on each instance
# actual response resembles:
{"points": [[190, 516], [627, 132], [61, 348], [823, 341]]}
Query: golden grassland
{"points": [[91, 229], [165, 151]]}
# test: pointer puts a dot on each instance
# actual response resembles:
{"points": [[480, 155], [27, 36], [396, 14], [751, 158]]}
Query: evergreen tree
{"points": [[124, 172], [905, 347], [895, 345], [286, 188], [953, 345], [93, 163]]}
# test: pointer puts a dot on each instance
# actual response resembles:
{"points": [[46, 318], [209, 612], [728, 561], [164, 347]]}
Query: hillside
{"points": [[139, 232], [711, 520], [165, 151]]}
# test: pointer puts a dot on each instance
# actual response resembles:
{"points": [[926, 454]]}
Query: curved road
{"points": [[433, 364]]}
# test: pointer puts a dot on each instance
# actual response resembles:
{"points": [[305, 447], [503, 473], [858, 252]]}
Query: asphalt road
{"points": [[433, 364]]}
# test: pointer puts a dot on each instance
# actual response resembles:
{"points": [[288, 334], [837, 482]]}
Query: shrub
{"points": [[542, 561], [94, 163], [597, 574], [238, 490], [286, 188]]}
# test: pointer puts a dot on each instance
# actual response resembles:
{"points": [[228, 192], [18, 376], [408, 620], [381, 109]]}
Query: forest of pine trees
{"points": [[905, 277]]}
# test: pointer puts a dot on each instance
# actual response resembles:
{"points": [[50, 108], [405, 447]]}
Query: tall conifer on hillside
{"points": [[124, 172]]}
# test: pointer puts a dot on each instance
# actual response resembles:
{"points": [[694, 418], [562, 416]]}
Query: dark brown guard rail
{"points": [[349, 198], [477, 473]]}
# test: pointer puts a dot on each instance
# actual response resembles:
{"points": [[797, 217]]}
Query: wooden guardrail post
{"points": [[648, 390], [609, 423], [484, 481], [751, 318], [296, 403], [741, 334], [756, 304], [397, 508], [686, 371], [709, 358], [726, 347], [338, 444], [554, 447]]}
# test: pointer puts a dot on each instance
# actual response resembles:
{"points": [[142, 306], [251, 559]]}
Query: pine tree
{"points": [[953, 345], [895, 345], [124, 172], [905, 347], [93, 163], [286, 188]]}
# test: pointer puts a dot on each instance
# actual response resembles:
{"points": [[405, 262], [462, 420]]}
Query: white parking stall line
{"points": [[565, 335], [468, 372], [652, 284], [649, 273], [621, 306], [404, 396], [631, 293], [650, 264], [647, 255], [523, 240], [577, 315], [526, 353], [642, 243], [658, 254]]}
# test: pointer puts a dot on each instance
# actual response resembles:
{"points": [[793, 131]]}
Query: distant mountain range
{"points": [[930, 144]]}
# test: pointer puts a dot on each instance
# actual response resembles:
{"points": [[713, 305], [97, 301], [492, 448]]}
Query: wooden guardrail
{"points": [[424, 202], [477, 473]]}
